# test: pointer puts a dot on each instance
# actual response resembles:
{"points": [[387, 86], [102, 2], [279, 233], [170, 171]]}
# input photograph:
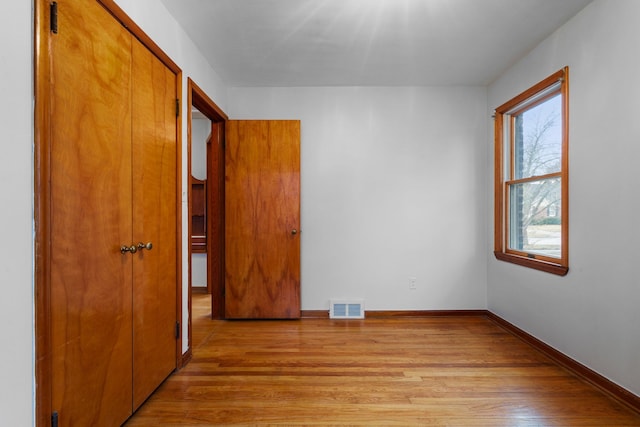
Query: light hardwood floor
{"points": [[444, 371]]}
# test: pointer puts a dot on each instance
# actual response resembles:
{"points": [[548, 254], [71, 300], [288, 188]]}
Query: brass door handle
{"points": [[148, 246], [294, 231], [124, 249]]}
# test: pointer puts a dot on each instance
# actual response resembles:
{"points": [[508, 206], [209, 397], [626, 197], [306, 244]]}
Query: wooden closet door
{"points": [[155, 217], [90, 217], [262, 219]]}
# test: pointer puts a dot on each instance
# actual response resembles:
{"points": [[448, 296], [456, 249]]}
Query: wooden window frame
{"points": [[504, 115]]}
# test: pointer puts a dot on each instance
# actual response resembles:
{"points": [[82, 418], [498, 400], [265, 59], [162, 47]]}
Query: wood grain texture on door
{"points": [[90, 280], [155, 217], [262, 214]]}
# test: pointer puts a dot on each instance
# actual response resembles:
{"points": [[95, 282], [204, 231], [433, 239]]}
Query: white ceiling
{"points": [[367, 42]]}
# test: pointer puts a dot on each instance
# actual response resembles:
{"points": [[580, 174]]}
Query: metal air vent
{"points": [[346, 309]]}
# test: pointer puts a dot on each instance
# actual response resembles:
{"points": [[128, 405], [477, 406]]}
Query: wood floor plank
{"points": [[463, 371]]}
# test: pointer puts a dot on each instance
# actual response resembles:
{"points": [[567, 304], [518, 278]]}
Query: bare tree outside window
{"points": [[537, 152]]}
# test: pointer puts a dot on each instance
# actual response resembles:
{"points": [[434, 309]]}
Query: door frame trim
{"points": [[196, 97], [42, 193]]}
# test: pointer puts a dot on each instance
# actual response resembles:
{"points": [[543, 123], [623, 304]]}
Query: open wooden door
{"points": [[262, 213]]}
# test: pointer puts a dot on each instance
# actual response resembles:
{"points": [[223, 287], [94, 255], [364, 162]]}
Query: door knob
{"points": [[294, 231], [124, 249], [148, 246]]}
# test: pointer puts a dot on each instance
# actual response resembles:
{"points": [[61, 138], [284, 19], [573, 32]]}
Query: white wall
{"points": [[200, 130], [157, 23], [393, 186], [593, 313], [16, 193], [199, 270]]}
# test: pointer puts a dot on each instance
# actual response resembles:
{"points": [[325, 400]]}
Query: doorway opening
{"points": [[205, 165]]}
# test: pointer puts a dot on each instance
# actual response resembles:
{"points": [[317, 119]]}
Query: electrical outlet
{"points": [[412, 283]]}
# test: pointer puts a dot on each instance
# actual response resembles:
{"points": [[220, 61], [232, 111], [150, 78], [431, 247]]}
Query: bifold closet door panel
{"points": [[90, 217], [155, 201]]}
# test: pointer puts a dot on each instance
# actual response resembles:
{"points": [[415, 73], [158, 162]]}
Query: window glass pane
{"points": [[535, 221], [538, 139]]}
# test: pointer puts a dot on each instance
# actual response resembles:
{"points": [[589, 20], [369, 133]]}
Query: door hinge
{"points": [[53, 17], [54, 419], [177, 107], [177, 330]]}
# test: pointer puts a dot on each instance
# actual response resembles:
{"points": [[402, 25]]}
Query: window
{"points": [[531, 177]]}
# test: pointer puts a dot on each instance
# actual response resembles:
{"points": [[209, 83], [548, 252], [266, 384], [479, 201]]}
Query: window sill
{"points": [[536, 264]]}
